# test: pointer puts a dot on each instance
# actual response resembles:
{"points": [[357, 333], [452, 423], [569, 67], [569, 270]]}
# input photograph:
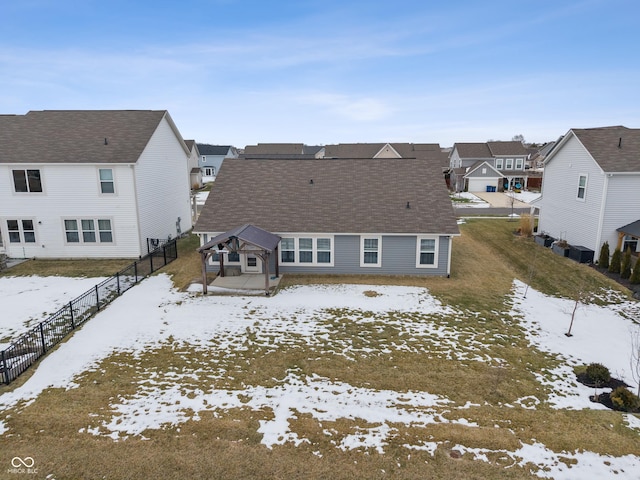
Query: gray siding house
{"points": [[211, 158], [591, 188], [503, 163], [337, 216]]}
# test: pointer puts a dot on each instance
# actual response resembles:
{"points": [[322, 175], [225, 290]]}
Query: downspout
{"points": [[449, 257], [603, 205], [137, 204]]}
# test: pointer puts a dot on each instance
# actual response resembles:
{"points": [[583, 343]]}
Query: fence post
{"points": [[151, 261], [118, 282], [97, 299], [135, 270], [73, 323], [44, 345], [164, 253], [5, 370]]}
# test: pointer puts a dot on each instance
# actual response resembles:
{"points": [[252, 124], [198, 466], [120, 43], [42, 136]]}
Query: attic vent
{"points": [[106, 142]]}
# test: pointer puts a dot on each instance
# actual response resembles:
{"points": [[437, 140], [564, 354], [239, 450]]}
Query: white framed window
{"points": [[582, 187], [288, 250], [508, 163], [499, 163], [27, 181], [323, 250], [210, 171], [484, 170], [21, 230], [426, 252], [370, 251], [107, 184], [519, 163], [307, 251], [88, 230]]}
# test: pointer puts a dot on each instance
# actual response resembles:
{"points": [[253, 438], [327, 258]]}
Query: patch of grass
{"points": [[68, 268], [473, 354], [187, 268]]}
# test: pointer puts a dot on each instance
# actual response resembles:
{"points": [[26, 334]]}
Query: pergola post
{"points": [[620, 239], [265, 261], [277, 264], [204, 256]]}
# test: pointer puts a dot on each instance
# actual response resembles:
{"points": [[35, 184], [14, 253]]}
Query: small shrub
{"points": [[625, 264], [603, 259], [526, 230], [614, 265], [598, 373], [635, 275], [624, 400]]}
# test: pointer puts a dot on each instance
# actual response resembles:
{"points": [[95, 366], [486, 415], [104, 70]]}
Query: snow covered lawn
{"points": [[216, 337], [25, 301]]}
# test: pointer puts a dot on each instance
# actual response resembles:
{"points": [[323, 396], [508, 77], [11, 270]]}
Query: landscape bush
{"points": [[625, 265], [598, 374], [526, 229], [625, 400], [635, 275], [603, 259], [614, 265]]}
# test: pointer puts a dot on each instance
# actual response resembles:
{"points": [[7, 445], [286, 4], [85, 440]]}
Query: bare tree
{"points": [[518, 138], [581, 297]]}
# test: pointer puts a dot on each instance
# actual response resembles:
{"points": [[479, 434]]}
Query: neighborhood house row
{"points": [[102, 183]]}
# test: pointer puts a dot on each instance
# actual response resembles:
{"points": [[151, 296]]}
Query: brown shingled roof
{"points": [[274, 149], [329, 196], [77, 136], [507, 148], [473, 150], [616, 149]]}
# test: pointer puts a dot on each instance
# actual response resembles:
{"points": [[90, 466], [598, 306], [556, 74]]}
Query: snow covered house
{"points": [[591, 189], [336, 216], [83, 184]]}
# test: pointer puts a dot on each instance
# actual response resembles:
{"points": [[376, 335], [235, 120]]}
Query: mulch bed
{"points": [[605, 397], [622, 281]]}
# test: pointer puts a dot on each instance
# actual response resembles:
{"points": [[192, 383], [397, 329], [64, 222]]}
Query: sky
{"points": [[330, 71]]}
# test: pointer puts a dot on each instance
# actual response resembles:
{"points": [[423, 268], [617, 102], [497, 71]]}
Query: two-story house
{"points": [[211, 158], [591, 189], [82, 184], [490, 166]]}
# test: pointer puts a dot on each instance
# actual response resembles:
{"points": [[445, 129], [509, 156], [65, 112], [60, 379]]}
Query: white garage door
{"points": [[480, 184]]}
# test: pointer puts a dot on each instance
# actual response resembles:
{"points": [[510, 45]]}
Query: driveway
{"points": [[500, 200]]}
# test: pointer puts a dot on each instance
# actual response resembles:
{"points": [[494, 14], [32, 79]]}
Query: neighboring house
{"points": [[86, 184], [339, 216], [591, 188], [423, 151], [282, 151], [211, 158], [195, 173], [497, 166]]}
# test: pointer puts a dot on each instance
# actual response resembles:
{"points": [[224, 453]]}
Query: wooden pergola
{"points": [[247, 239]]}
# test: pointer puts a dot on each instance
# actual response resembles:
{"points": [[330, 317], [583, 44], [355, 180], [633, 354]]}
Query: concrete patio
{"points": [[247, 284]]}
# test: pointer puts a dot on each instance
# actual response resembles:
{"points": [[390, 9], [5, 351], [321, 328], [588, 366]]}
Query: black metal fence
{"points": [[30, 346]]}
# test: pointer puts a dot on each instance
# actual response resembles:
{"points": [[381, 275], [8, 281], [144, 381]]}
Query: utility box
{"points": [[581, 254]]}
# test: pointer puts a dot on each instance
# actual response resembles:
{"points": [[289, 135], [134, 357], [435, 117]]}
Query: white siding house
{"points": [[91, 183], [591, 187]]}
